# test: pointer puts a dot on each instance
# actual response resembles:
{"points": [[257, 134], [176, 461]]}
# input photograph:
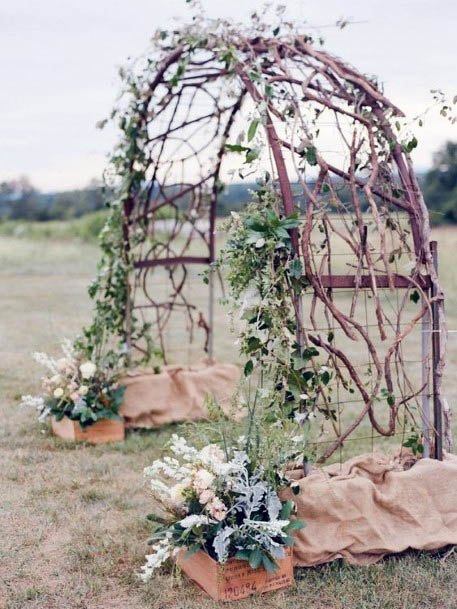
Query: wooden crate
{"points": [[236, 579], [101, 432]]}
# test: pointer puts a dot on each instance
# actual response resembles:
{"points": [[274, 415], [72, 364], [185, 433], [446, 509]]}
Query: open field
{"points": [[72, 517]]}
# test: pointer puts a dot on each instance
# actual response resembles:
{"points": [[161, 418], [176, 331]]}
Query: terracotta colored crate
{"points": [[101, 432], [236, 579]]}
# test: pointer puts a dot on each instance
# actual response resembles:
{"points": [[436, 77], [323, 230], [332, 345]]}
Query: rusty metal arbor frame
{"points": [[190, 109]]}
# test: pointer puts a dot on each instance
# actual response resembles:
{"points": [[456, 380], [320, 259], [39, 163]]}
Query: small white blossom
{"points": [[260, 243], [203, 479], [58, 392], [87, 369], [194, 520], [62, 364], [300, 417], [211, 454], [161, 552], [45, 361]]}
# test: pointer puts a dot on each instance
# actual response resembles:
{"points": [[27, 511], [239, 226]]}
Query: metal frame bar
{"points": [[436, 350]]}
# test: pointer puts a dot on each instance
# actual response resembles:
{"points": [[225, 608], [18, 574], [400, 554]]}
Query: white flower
{"points": [[304, 396], [83, 390], [251, 300], [203, 479], [33, 401], [58, 393], [217, 509], [46, 361], [180, 448], [38, 403], [62, 364], [87, 370], [194, 520], [300, 417], [176, 493], [260, 243], [211, 454], [162, 551]]}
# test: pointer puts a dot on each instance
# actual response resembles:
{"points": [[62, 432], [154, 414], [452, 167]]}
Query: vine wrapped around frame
{"points": [[368, 203]]}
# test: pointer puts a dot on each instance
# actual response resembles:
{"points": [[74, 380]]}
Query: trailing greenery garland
{"points": [[263, 274]]}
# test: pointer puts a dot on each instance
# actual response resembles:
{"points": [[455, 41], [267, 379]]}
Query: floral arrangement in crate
{"points": [[219, 501], [77, 388]]}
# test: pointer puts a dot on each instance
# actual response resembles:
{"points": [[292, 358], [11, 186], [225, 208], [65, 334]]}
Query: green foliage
{"points": [[415, 443], [264, 276], [440, 185], [103, 401], [20, 200]]}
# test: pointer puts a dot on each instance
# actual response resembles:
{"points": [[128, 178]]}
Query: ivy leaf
{"points": [[228, 58], [296, 268], [414, 297], [409, 147], [237, 148], [248, 368], [253, 129], [311, 156], [269, 90], [251, 155]]}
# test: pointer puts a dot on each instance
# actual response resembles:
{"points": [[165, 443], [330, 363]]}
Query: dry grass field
{"points": [[72, 517]]}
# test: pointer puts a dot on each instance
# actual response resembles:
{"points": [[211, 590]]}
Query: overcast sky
{"points": [[59, 61]]}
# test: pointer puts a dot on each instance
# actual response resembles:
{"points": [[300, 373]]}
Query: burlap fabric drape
{"points": [[176, 394], [372, 506]]}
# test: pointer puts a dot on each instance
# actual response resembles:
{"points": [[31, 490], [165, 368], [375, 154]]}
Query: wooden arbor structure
{"points": [[337, 150]]}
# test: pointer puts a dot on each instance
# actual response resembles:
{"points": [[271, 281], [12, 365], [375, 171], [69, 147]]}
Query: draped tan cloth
{"points": [[372, 506], [176, 394]]}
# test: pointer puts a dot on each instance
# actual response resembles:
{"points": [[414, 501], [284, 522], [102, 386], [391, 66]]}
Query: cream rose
{"points": [[83, 390], [176, 493], [206, 496], [58, 393], [87, 370], [203, 479], [217, 509]]}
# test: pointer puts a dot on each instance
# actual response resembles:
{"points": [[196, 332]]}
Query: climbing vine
{"points": [[340, 187]]}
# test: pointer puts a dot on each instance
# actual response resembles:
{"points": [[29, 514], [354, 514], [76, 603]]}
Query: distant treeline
{"points": [[19, 200]]}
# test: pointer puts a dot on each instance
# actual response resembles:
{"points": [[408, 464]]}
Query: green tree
{"points": [[440, 185]]}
